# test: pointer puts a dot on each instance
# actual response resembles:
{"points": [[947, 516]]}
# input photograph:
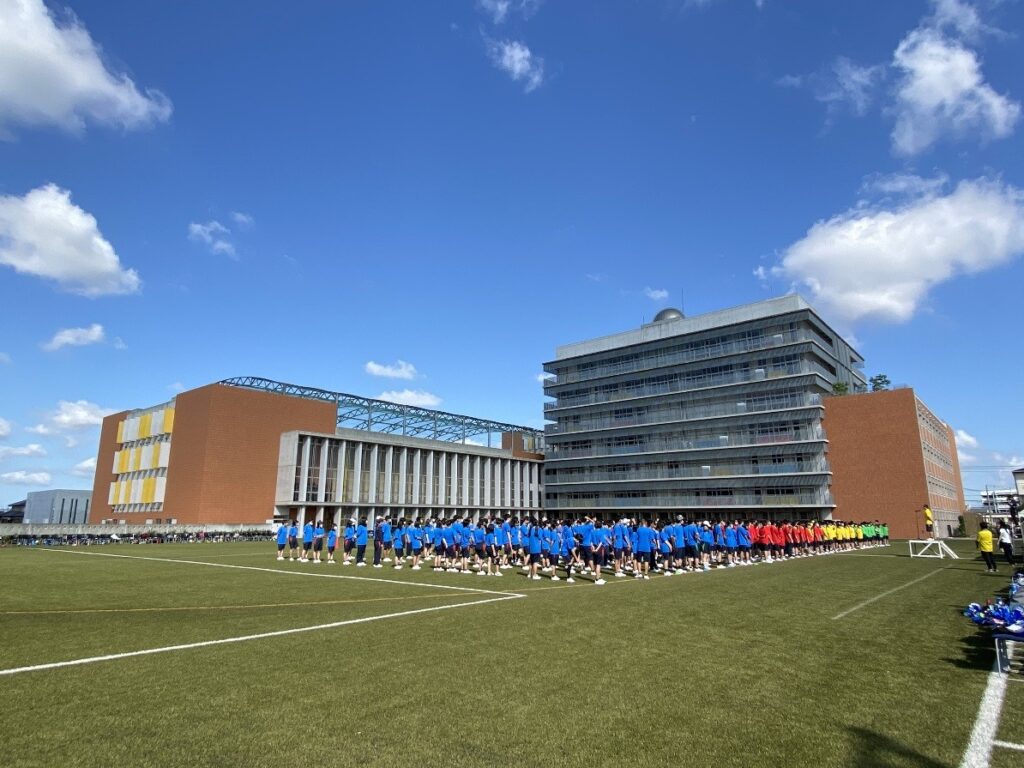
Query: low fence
{"points": [[42, 530]]}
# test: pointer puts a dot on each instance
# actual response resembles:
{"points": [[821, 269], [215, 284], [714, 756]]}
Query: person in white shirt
{"points": [[1005, 542]]}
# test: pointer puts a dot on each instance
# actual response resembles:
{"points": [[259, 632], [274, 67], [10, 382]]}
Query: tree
{"points": [[840, 388], [879, 382]]}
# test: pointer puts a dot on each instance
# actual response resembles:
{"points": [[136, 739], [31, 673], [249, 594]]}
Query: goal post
{"points": [[931, 548]]}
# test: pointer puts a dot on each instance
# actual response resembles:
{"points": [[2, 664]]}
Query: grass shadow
{"points": [[978, 652], [871, 749]]}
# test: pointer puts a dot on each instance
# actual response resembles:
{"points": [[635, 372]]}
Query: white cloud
{"points": [[5, 359], [5, 427], [399, 370], [71, 416], [761, 273], [118, 343], [75, 337], [243, 220], [515, 59], [879, 262], [32, 449], [45, 235], [176, 387], [53, 74], [965, 439], [941, 91], [965, 458], [962, 17], [214, 235], [655, 294], [843, 84], [596, 277], [415, 397], [500, 10], [903, 185], [22, 477], [70, 442], [543, 378], [86, 468]]}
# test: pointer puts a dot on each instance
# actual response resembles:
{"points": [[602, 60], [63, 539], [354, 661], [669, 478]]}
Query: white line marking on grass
{"points": [[1009, 745], [222, 607], [986, 724], [888, 592], [244, 638], [286, 573]]}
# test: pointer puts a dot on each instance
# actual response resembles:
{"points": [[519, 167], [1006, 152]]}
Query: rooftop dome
{"points": [[669, 313]]}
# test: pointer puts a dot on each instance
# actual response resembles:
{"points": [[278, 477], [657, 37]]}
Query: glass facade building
{"points": [[721, 411]]}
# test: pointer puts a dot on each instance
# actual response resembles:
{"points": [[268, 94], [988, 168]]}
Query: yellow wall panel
{"points": [[122, 461], [120, 431], [169, 420], [148, 490], [136, 459], [146, 425]]}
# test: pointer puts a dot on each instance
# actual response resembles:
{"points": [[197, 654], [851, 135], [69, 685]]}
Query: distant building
{"points": [[997, 502], [251, 450], [57, 507], [718, 414], [1018, 482], [890, 455], [15, 513]]}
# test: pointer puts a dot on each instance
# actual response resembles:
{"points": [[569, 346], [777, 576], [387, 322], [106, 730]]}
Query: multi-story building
{"points": [[890, 455], [57, 507], [997, 501], [714, 414], [250, 450]]}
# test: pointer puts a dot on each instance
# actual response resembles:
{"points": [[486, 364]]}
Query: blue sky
{"points": [[191, 191]]}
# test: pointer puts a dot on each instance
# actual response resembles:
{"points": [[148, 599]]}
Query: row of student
{"points": [[584, 545]]}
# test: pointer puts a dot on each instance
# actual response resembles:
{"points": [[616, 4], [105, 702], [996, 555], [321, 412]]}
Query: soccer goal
{"points": [[931, 548]]}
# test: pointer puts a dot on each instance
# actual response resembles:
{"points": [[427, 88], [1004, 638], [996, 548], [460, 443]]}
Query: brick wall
{"points": [[876, 459]]}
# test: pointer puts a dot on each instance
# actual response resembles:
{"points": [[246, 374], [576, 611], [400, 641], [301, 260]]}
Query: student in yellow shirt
{"points": [[985, 546]]}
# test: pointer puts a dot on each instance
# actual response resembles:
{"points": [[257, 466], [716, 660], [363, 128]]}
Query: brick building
{"points": [[890, 455], [251, 450]]}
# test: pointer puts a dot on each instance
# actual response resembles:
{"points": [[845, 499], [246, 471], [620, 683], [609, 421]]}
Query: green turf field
{"points": [[744, 667]]}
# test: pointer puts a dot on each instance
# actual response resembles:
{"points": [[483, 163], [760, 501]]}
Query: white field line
{"points": [[888, 592], [986, 724], [286, 573], [1009, 745], [244, 638]]}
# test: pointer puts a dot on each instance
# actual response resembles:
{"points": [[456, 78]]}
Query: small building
{"points": [[57, 507], [890, 455]]}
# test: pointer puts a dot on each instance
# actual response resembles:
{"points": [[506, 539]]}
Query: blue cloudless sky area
{"points": [[464, 186]]}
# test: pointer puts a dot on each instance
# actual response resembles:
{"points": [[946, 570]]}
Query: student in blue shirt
{"points": [[318, 540], [362, 537], [282, 540], [730, 545], [665, 541], [619, 545], [438, 544], [350, 541], [415, 534], [293, 540], [534, 537], [307, 541], [399, 532], [568, 549], [598, 548], [332, 543], [384, 529], [707, 541], [645, 541]]}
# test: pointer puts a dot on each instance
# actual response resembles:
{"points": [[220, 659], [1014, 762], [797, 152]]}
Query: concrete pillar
{"points": [[416, 475], [357, 472], [304, 471], [403, 476], [389, 468], [339, 486], [374, 460]]}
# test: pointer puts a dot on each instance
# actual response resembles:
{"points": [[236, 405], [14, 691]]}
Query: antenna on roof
{"points": [[682, 302]]}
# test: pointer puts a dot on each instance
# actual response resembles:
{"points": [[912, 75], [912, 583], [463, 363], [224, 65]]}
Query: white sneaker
{"points": [[398, 567], [360, 565], [387, 559], [570, 580], [481, 573], [619, 575], [280, 558], [638, 576], [498, 573], [599, 582], [347, 562], [555, 578], [647, 578], [535, 578], [415, 568], [376, 565]]}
